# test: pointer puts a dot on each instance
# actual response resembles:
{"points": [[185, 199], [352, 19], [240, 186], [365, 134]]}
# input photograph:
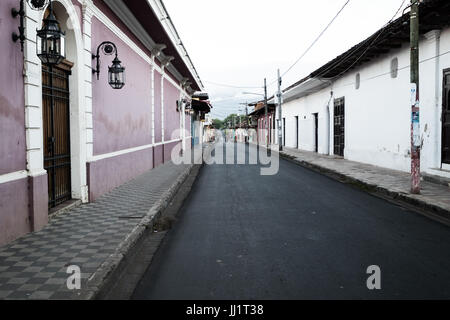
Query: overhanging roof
{"points": [[434, 14], [142, 17]]}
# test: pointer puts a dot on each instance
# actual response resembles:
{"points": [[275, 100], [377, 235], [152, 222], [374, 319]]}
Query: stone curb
{"points": [[105, 273], [430, 210]]}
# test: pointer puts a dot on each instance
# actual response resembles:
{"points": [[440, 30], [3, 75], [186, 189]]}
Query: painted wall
{"points": [[12, 115], [122, 118], [158, 123], [171, 115], [14, 213], [377, 115], [106, 174]]}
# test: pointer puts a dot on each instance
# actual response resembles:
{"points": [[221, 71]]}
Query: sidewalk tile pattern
{"points": [[34, 266]]}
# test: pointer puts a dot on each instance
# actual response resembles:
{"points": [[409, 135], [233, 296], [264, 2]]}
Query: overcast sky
{"points": [[240, 42]]}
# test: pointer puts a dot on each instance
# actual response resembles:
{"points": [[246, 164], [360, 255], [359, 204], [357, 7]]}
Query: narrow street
{"points": [[295, 235]]}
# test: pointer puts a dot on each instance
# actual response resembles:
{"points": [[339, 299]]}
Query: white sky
{"points": [[240, 42]]}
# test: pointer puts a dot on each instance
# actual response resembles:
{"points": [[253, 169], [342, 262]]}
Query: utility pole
{"points": [[280, 134], [415, 99], [266, 111], [246, 115]]}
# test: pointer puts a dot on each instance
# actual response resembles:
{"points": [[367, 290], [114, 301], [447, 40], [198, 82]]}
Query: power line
{"points": [[229, 85], [315, 41], [389, 72], [290, 68], [335, 65]]}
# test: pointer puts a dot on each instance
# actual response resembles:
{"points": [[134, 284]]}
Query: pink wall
{"points": [[158, 127], [171, 115], [122, 118], [12, 113], [158, 155], [168, 147], [107, 174], [14, 218]]}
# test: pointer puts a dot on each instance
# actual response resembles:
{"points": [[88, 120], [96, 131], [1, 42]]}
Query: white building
{"points": [[359, 105]]}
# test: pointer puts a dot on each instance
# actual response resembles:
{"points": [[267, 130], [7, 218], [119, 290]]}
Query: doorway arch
{"points": [[69, 18]]}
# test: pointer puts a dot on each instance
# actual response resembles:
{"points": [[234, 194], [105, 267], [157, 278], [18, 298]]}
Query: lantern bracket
{"points": [[35, 5], [108, 48]]}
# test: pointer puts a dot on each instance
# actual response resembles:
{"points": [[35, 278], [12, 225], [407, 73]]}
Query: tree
{"points": [[217, 123]]}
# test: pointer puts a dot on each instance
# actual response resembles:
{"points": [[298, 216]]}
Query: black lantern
{"points": [[50, 41], [116, 73]]}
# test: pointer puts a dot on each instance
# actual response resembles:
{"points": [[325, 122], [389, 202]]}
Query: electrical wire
{"points": [[334, 66], [399, 69], [297, 61], [315, 41], [230, 86]]}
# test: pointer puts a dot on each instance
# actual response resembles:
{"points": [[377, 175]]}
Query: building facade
{"points": [[66, 135], [265, 124], [358, 106]]}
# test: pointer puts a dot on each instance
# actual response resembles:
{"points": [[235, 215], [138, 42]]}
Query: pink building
{"points": [[67, 136], [265, 124]]}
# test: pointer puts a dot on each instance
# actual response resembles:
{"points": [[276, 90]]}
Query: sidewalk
{"points": [[95, 237], [434, 198]]}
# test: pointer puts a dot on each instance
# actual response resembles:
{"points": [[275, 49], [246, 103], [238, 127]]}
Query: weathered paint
{"points": [[14, 216], [158, 155], [107, 174], [122, 118], [171, 115], [168, 147], [12, 114], [158, 126], [38, 198]]}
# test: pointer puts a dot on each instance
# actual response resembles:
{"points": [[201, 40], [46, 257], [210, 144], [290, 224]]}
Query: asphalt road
{"points": [[295, 235]]}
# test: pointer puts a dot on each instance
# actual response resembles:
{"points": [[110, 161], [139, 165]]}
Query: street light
{"points": [[116, 73], [50, 41]]}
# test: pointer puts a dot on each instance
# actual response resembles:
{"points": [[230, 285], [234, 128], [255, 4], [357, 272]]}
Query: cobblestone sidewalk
{"points": [[34, 266], [395, 184]]}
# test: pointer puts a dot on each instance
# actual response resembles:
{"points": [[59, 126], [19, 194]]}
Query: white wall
{"points": [[378, 114]]}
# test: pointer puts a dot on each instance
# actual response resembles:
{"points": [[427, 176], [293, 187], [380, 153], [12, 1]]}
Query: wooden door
{"points": [[56, 120]]}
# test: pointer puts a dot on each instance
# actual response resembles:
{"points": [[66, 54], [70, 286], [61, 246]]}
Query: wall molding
{"points": [[97, 13], [127, 151]]}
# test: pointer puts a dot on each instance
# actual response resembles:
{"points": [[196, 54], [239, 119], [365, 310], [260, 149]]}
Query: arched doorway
{"points": [[62, 128]]}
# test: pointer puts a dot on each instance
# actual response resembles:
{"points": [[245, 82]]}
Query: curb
{"points": [[432, 211], [103, 277]]}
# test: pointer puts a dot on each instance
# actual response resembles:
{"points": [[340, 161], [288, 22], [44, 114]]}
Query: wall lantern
{"points": [[35, 5], [50, 41], [116, 73]]}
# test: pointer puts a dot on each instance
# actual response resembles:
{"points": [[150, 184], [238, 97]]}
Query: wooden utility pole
{"points": [[280, 114], [266, 122], [415, 99]]}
